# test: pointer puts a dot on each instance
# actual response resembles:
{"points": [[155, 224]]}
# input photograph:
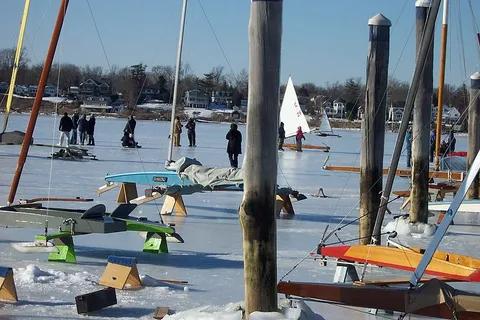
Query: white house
{"points": [[449, 114], [196, 99], [334, 109], [243, 104], [50, 91], [20, 90], [395, 111], [222, 97], [32, 90]]}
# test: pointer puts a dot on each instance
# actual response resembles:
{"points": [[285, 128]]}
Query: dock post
{"points": [[422, 111], [373, 125], [257, 212], [473, 130]]}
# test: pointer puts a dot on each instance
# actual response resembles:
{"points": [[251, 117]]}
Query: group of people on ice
{"points": [[298, 137], [77, 126], [446, 147], [86, 128]]}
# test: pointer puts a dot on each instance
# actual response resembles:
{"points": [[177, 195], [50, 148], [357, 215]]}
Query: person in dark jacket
{"points": [[65, 127], [234, 146], [91, 130], [408, 142], [130, 126], [75, 119], [451, 141], [128, 139], [82, 128], [433, 139], [191, 132], [281, 136]]}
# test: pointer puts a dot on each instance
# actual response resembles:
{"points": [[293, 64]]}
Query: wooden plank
{"points": [[447, 175], [293, 146], [385, 282], [374, 297]]}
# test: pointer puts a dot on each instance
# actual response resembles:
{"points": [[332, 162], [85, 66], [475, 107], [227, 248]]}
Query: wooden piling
{"points": [[373, 125], [257, 211], [421, 124], [473, 130]]}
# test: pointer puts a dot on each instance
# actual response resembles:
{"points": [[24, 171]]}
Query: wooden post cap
{"points": [[379, 20]]}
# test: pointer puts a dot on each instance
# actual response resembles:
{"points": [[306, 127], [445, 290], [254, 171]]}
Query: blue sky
{"points": [[323, 41]]}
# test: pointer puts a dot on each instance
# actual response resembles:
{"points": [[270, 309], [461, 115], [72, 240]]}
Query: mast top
{"points": [[423, 3], [379, 20]]}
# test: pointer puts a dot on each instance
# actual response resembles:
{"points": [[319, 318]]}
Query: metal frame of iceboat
{"points": [[70, 222]]}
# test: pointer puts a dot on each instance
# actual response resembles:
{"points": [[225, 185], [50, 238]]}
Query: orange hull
{"points": [[443, 264]]}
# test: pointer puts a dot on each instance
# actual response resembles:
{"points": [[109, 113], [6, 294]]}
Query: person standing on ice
{"points": [[177, 130], [65, 127], [281, 136], [433, 139], [298, 137], [91, 130], [451, 141], [75, 119], [234, 146], [82, 128], [191, 132], [408, 141]]}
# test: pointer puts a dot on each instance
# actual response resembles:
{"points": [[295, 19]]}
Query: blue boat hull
{"points": [[164, 178]]}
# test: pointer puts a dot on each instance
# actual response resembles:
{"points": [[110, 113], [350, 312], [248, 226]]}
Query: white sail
{"points": [[325, 124], [290, 113]]}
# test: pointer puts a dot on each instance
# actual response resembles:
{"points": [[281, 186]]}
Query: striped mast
{"points": [[441, 85], [18, 53]]}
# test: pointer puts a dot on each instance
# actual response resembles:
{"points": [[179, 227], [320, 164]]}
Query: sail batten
{"points": [[290, 113]]}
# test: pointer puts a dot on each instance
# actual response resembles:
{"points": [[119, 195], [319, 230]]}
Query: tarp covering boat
{"points": [[454, 163], [211, 177]]}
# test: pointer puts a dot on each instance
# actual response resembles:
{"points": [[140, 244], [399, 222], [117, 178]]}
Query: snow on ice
{"points": [[211, 259]]}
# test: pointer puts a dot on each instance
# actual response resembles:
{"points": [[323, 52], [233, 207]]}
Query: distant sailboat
{"points": [[290, 113], [325, 129], [292, 117]]}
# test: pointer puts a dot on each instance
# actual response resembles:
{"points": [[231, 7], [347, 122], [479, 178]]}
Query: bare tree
{"points": [[94, 73], [397, 90], [334, 90], [7, 58]]}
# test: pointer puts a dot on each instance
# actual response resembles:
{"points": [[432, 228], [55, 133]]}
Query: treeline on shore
{"points": [[129, 81]]}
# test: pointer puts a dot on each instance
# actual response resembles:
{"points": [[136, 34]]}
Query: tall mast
{"points": [[16, 62], [412, 92], [38, 99], [441, 85], [175, 85]]}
